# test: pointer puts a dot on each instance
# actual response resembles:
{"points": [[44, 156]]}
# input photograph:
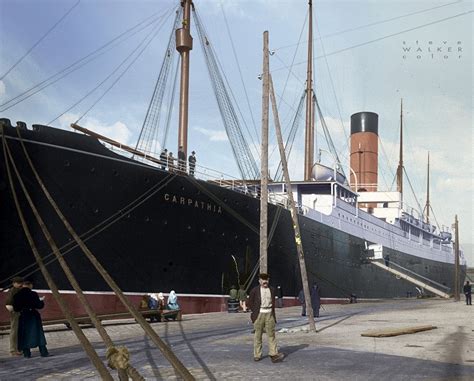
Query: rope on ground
{"points": [[118, 358]]}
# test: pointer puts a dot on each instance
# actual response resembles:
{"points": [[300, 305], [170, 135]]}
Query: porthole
{"points": [[67, 163], [92, 170]]}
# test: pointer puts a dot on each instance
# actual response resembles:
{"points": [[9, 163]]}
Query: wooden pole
{"points": [[293, 211], [264, 162], [457, 291]]}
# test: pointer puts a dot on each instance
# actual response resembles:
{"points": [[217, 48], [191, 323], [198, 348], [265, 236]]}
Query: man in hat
{"points": [[192, 163], [181, 160], [262, 304], [164, 159], [30, 327], [14, 316]]}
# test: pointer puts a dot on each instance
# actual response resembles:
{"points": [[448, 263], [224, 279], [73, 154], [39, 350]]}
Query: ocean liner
{"points": [[157, 229]]}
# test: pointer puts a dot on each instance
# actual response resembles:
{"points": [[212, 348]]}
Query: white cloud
{"points": [[213, 135], [117, 131]]}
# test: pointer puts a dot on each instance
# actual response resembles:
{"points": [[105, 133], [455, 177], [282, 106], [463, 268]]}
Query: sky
{"points": [[368, 55]]}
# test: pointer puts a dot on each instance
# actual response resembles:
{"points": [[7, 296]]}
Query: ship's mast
{"points": [[427, 207], [309, 135], [184, 43], [400, 163]]}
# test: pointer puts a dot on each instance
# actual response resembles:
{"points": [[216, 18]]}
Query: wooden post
{"points": [[264, 162], [457, 291], [293, 211]]}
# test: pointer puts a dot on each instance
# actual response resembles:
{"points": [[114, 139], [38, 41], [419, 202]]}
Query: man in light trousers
{"points": [[262, 304]]}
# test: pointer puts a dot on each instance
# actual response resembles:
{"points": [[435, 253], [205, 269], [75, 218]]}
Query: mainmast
{"points": [[427, 207], [184, 43], [309, 135], [400, 163]]}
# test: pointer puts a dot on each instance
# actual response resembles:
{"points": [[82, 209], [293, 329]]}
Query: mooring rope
{"points": [[93, 356], [167, 352]]}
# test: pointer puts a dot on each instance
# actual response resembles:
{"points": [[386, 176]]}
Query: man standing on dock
{"points": [[262, 304], [14, 316], [467, 292]]}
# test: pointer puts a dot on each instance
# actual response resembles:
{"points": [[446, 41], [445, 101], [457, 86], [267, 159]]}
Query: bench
{"points": [[163, 315]]}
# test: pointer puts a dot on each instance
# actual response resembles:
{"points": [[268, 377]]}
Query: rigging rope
{"points": [[420, 209], [345, 149], [241, 77], [145, 45], [155, 30], [150, 126], [291, 135], [171, 103], [39, 40], [82, 61], [244, 158], [376, 23], [380, 38], [327, 135]]}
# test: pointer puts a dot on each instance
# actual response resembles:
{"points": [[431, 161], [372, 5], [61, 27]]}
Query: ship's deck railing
{"points": [[248, 187]]}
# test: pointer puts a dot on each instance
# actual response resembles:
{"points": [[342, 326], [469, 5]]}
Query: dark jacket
{"points": [[467, 289], [255, 302], [30, 328]]}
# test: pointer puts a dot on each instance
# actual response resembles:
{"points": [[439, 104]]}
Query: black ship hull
{"points": [[165, 231]]}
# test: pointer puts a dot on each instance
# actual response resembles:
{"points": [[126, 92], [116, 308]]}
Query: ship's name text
{"points": [[207, 206]]}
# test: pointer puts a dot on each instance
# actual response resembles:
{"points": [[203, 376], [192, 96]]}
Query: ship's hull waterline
{"points": [[190, 236]]}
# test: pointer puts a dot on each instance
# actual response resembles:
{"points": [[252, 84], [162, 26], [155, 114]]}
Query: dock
{"points": [[219, 346]]}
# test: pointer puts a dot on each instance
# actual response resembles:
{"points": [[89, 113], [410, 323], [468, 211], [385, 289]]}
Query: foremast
{"points": [[184, 44]]}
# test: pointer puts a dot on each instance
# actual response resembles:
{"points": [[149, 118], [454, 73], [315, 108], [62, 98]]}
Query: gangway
{"points": [[410, 279]]}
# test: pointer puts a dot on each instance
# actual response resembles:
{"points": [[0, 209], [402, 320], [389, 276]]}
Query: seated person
{"points": [[155, 303], [144, 302], [173, 301]]}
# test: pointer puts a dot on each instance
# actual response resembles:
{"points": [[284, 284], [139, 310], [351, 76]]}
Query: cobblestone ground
{"points": [[218, 346]]}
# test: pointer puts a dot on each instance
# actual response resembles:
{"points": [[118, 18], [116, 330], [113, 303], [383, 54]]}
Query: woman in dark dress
{"points": [[30, 327]]}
